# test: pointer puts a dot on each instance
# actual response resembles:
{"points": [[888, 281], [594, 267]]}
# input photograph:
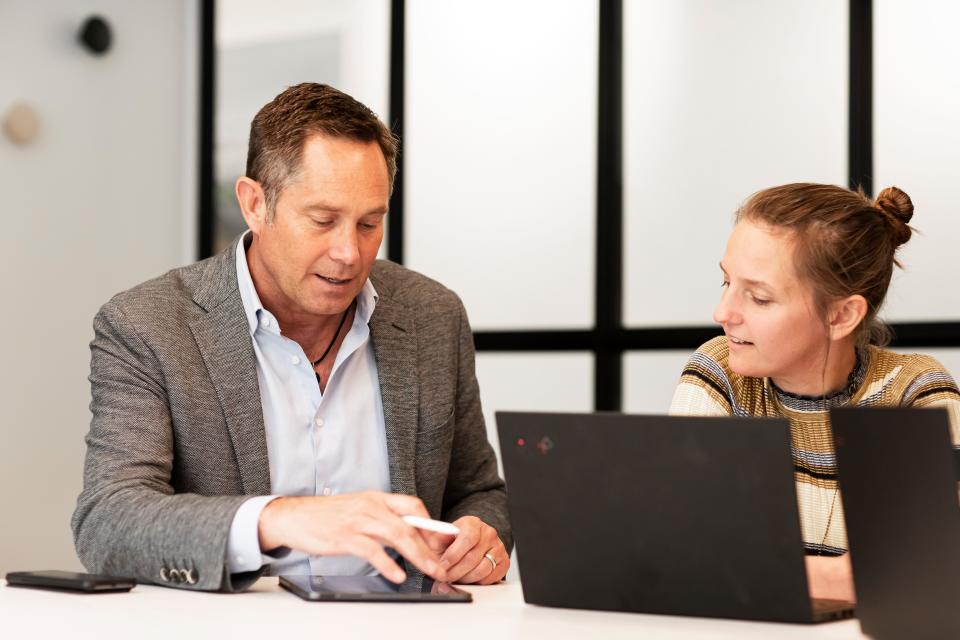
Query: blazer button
{"points": [[163, 574], [175, 575], [188, 576]]}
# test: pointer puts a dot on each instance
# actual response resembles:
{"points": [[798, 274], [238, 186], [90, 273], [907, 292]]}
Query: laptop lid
{"points": [[899, 487], [659, 514]]}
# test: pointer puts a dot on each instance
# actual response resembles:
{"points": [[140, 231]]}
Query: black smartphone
{"points": [[69, 581], [371, 589]]}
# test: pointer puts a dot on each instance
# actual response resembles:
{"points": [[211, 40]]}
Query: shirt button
{"points": [[318, 421], [294, 359], [266, 321], [327, 491]]}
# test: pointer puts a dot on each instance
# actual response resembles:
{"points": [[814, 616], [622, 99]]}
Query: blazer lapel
{"points": [[223, 337], [394, 338]]}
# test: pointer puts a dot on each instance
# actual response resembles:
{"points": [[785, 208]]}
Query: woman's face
{"points": [[767, 312]]}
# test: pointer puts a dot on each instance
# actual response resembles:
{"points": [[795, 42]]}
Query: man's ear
{"points": [[846, 315], [253, 203]]}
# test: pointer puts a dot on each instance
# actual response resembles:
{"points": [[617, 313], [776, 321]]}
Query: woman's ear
{"points": [[846, 315], [253, 204]]}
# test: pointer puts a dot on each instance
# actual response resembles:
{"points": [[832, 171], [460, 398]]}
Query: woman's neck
{"points": [[819, 380]]}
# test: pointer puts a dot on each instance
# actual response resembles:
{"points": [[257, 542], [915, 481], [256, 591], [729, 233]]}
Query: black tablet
{"points": [[371, 589]]}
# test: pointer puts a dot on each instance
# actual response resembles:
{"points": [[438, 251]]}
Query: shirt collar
{"points": [[367, 301], [252, 307]]}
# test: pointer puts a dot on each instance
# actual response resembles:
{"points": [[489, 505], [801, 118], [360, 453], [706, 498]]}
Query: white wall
{"points": [[917, 147], [500, 156], [650, 378], [263, 48], [721, 99], [101, 201]]}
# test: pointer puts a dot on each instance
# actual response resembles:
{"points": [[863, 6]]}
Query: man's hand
{"points": [[831, 577], [464, 554], [357, 524]]}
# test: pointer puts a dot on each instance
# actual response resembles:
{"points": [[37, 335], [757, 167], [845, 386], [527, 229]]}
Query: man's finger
{"points": [[438, 542], [497, 574], [391, 531], [487, 572], [404, 505], [483, 568], [373, 553], [466, 540], [470, 563]]}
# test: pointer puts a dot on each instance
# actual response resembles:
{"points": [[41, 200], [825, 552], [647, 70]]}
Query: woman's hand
{"points": [[831, 577]]}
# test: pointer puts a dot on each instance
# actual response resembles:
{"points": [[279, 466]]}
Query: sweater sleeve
{"points": [[935, 387], [704, 388]]}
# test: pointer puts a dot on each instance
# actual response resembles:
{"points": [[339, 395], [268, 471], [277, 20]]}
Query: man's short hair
{"points": [[281, 128]]}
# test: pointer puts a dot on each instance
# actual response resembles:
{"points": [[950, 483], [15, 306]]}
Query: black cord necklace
{"points": [[332, 340]]}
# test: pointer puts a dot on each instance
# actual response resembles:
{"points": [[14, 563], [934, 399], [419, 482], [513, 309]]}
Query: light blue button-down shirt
{"points": [[319, 444]]}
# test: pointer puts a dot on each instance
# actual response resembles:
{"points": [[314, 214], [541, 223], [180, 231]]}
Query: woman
{"points": [[805, 272]]}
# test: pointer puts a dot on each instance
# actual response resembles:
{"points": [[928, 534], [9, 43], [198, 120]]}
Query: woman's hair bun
{"points": [[897, 207]]}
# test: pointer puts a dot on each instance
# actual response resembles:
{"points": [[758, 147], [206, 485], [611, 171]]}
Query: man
{"points": [[294, 367]]}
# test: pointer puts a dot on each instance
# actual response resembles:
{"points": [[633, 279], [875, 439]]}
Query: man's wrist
{"points": [[269, 531], [243, 545]]}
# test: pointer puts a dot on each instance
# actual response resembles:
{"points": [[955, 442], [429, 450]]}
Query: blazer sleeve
{"points": [[474, 486], [128, 520]]}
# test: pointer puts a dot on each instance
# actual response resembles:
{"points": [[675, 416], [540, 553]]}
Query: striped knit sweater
{"points": [[880, 378]]}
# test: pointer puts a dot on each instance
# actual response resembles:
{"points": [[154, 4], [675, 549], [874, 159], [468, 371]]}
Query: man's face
{"points": [[313, 258]]}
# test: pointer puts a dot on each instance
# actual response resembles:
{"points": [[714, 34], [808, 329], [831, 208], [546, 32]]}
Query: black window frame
{"points": [[609, 340]]}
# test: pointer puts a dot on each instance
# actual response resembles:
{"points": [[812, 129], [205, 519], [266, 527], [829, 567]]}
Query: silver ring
{"points": [[489, 556]]}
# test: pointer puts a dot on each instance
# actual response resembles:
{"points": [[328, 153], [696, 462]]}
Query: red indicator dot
{"points": [[521, 442]]}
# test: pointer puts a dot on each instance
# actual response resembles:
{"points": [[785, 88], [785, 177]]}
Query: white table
{"points": [[267, 611]]}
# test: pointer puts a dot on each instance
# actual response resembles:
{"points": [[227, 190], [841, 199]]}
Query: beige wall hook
{"points": [[21, 124]]}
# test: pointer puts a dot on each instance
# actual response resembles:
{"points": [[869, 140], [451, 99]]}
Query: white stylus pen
{"points": [[431, 525]]}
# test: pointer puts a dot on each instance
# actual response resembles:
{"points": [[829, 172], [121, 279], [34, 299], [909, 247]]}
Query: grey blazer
{"points": [[177, 440]]}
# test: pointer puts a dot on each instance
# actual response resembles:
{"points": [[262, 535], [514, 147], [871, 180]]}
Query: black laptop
{"points": [[899, 487], [658, 514]]}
